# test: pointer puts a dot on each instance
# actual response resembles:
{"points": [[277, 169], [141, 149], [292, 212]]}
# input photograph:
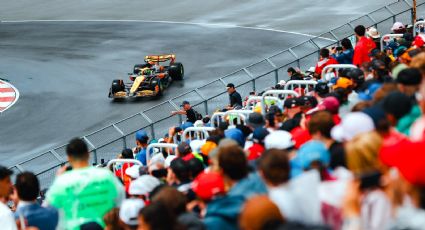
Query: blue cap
{"points": [[236, 135], [367, 95], [312, 151], [141, 135]]}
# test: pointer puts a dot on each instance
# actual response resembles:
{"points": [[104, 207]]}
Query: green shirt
{"points": [[84, 195]]}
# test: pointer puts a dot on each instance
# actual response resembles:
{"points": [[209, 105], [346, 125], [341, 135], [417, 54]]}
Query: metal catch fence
{"points": [[106, 143]]}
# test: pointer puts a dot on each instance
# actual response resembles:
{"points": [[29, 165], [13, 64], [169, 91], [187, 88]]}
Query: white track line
{"points": [[174, 22]]}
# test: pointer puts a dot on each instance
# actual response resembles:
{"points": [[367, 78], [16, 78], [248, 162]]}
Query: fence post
{"points": [[94, 148], [150, 124], [124, 141]]}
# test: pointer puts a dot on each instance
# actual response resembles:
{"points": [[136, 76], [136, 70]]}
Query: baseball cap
{"points": [[343, 82], [400, 51], [230, 85], [279, 139], [207, 185], [129, 210], [308, 101], [156, 162], [291, 103], [321, 88], [407, 159], [368, 94], [330, 104], [184, 148], [310, 152], [141, 135], [409, 76], [378, 65], [255, 120], [184, 103], [259, 134], [351, 125], [208, 147], [357, 75], [196, 145], [236, 135], [133, 171], [397, 26], [143, 185], [397, 104], [372, 32]]}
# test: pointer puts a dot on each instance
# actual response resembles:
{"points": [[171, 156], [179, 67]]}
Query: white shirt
{"points": [[6, 218]]}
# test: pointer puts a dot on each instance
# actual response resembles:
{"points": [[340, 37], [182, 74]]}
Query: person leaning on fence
{"points": [[235, 99], [343, 54], [325, 60], [83, 194], [191, 114], [139, 151]]}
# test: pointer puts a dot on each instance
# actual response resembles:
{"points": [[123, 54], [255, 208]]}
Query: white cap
{"points": [[196, 145], [312, 69], [372, 32], [279, 140], [397, 26], [143, 185], [198, 123], [129, 210], [168, 160], [133, 171], [282, 82], [156, 162], [351, 125]]}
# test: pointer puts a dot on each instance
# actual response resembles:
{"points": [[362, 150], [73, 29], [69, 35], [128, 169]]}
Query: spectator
{"points": [[28, 189], [294, 75], [352, 125], [325, 60], [235, 99], [293, 114], [177, 202], [362, 159], [157, 216], [320, 126], [373, 34], [255, 151], [279, 140], [184, 151], [179, 175], [191, 115], [343, 54], [6, 216], [129, 211], [398, 28], [83, 194], [321, 89], [142, 187], [408, 81], [142, 140], [258, 212], [363, 46]]}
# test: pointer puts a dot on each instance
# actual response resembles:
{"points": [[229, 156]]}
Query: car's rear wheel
{"points": [[116, 86], [176, 71], [138, 67]]}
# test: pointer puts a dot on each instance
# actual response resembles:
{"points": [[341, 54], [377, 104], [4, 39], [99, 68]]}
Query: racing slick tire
{"points": [[116, 86], [176, 71], [136, 68], [157, 82]]}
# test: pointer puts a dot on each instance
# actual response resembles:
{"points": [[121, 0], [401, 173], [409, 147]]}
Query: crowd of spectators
{"points": [[344, 154]]}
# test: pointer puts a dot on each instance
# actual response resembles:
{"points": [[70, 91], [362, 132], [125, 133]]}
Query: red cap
{"points": [[408, 158], [418, 42], [207, 185], [330, 104]]}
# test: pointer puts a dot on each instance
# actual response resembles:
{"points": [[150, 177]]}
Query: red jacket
{"points": [[362, 50], [323, 62]]}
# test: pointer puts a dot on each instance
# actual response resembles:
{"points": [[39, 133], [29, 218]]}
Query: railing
{"points": [[108, 141]]}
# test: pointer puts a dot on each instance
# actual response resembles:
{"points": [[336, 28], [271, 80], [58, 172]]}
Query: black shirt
{"points": [[235, 99], [191, 115]]}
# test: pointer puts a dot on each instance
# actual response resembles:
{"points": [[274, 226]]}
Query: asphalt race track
{"points": [[63, 70]]}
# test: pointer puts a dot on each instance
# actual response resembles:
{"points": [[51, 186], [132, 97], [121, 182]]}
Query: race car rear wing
{"points": [[160, 58]]}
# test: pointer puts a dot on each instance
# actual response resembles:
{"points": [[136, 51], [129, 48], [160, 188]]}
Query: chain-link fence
{"points": [[106, 143]]}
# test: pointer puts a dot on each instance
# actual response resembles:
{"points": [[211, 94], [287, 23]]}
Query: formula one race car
{"points": [[148, 79]]}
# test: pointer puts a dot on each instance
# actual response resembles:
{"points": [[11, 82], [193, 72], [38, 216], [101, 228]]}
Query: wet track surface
{"points": [[63, 70]]}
